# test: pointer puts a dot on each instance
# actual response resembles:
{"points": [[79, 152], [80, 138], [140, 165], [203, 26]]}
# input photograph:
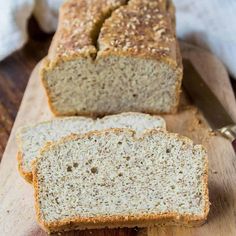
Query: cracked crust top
{"points": [[78, 25], [143, 28]]}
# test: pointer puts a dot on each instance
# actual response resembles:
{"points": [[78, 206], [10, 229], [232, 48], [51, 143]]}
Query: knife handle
{"points": [[230, 133]]}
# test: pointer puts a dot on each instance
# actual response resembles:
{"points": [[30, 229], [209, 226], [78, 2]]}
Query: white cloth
{"points": [[13, 21], [208, 23], [13, 18]]}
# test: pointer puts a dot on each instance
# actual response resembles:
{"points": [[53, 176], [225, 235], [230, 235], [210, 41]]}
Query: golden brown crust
{"points": [[28, 176], [142, 220], [143, 28], [179, 73], [70, 44], [78, 23], [128, 221]]}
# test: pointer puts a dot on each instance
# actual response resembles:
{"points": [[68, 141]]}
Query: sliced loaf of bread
{"points": [[114, 178], [111, 56], [31, 138]]}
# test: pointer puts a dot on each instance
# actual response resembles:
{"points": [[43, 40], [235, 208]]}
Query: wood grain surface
{"points": [[17, 216]]}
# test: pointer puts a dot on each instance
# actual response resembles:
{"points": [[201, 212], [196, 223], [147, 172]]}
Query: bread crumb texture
{"points": [[84, 180], [114, 57], [32, 138]]}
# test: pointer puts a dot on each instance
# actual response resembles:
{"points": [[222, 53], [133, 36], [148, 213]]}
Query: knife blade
{"points": [[215, 113]]}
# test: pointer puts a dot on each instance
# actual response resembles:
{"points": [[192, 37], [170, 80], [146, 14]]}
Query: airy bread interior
{"points": [[113, 84], [98, 177], [31, 138]]}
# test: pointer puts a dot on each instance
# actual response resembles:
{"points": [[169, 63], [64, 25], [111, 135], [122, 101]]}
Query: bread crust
{"points": [[28, 176], [171, 56], [141, 220]]}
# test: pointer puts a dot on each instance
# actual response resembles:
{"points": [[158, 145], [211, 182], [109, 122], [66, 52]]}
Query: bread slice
{"points": [[113, 178], [31, 138], [109, 57]]}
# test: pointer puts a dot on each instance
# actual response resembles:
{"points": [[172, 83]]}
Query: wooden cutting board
{"points": [[17, 216]]}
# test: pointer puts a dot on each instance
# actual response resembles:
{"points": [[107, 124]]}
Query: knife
{"points": [[216, 115]]}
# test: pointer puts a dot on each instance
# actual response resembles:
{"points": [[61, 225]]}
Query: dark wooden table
{"points": [[14, 74]]}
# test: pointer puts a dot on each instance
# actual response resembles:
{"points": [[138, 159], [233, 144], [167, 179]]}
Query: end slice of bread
{"points": [[31, 138], [114, 178]]}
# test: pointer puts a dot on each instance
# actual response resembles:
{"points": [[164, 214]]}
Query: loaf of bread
{"points": [[114, 178], [111, 56], [31, 138]]}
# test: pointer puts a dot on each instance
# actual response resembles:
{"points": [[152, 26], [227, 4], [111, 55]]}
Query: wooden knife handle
{"points": [[230, 133]]}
